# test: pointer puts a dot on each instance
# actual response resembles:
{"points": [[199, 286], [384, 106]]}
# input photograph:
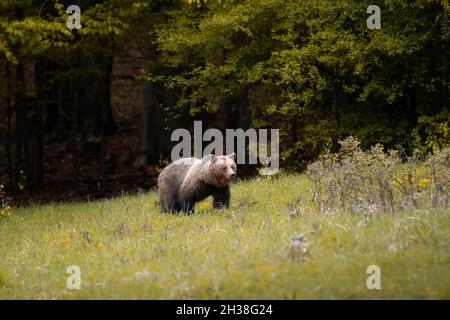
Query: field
{"points": [[126, 249]]}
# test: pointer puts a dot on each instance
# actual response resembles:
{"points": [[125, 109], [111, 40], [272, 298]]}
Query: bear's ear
{"points": [[210, 157], [232, 156]]}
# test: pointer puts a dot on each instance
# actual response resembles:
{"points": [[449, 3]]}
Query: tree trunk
{"points": [[19, 107], [95, 97], [9, 134], [42, 100], [154, 127]]}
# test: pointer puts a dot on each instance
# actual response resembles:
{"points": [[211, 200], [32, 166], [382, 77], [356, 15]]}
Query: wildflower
{"points": [[6, 211], [424, 182], [63, 241], [204, 205], [267, 269]]}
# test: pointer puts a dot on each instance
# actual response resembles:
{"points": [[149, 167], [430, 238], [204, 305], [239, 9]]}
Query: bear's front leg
{"points": [[222, 198], [188, 207]]}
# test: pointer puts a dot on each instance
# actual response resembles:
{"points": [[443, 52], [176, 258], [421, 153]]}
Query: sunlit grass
{"points": [[125, 248]]}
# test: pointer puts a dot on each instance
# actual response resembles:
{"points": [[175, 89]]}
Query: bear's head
{"points": [[222, 169]]}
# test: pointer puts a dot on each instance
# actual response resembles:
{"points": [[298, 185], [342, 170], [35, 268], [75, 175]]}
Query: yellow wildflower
{"points": [[267, 268], [424, 182]]}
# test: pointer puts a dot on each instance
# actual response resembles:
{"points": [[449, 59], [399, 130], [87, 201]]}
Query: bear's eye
{"points": [[224, 168]]}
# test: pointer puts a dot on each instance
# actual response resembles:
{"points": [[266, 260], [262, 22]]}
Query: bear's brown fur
{"points": [[189, 180]]}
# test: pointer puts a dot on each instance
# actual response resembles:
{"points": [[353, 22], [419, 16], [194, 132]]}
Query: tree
{"points": [[312, 68], [71, 76]]}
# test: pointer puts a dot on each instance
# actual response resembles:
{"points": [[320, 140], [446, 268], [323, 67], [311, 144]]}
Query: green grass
{"points": [[125, 248]]}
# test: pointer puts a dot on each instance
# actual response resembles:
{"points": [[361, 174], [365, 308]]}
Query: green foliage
{"points": [[315, 64], [432, 132], [30, 36], [309, 68], [41, 31]]}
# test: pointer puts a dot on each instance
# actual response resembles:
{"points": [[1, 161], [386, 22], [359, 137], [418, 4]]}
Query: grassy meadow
{"points": [[127, 249]]}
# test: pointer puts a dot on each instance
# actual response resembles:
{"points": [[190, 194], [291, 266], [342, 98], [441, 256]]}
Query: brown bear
{"points": [[189, 180]]}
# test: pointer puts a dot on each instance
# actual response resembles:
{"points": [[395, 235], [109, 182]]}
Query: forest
{"points": [[89, 111]]}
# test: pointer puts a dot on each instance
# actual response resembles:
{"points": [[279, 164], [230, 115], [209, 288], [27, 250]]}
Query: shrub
{"points": [[439, 166], [354, 180], [377, 181]]}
